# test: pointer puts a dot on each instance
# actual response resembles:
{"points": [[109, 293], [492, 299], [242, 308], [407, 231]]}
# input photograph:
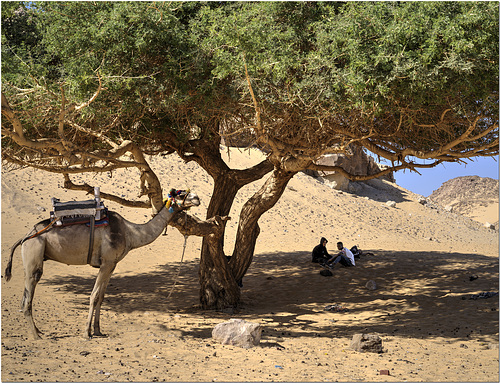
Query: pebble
{"points": [[371, 285]]}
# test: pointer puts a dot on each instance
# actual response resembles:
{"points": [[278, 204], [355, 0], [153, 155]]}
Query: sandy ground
{"points": [[423, 258]]}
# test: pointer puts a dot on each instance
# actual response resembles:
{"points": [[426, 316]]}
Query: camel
{"points": [[70, 245]]}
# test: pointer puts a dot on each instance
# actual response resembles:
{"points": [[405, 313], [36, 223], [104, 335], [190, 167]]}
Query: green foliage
{"points": [[144, 54], [357, 54], [353, 66], [21, 49]]}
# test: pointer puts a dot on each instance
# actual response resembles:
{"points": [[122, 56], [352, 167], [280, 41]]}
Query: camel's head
{"points": [[183, 198]]}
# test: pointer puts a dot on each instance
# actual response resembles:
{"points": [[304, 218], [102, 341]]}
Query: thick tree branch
{"points": [[191, 225], [388, 170], [68, 184]]}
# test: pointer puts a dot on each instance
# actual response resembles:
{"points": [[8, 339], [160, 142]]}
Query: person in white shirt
{"points": [[345, 257]]}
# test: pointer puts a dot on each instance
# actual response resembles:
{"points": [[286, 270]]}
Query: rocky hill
{"points": [[472, 196]]}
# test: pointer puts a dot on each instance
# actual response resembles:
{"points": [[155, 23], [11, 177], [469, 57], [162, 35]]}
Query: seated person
{"points": [[345, 257], [319, 253]]}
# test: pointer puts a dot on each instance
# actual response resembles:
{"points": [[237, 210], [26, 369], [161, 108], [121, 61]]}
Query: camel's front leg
{"points": [[97, 297]]}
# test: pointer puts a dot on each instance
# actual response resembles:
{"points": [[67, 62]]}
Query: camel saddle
{"points": [[91, 212], [78, 212]]}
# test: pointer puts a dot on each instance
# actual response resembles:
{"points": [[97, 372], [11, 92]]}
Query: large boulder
{"points": [[366, 343], [359, 163], [238, 332]]}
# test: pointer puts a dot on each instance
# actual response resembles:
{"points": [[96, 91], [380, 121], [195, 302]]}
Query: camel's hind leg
{"points": [[97, 297], [32, 254]]}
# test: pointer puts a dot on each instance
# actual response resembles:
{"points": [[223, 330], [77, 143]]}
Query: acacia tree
{"points": [[409, 82]]}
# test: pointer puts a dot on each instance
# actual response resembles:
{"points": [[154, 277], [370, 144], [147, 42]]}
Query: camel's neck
{"points": [[141, 235]]}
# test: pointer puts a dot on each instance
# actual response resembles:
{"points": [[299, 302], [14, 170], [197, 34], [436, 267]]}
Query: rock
{"points": [[449, 208], [371, 285], [326, 273], [357, 162], [492, 346], [422, 200], [391, 203], [489, 225], [366, 343], [238, 332]]}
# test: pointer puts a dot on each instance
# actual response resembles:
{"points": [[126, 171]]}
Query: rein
{"points": [[171, 200], [180, 265], [179, 270]]}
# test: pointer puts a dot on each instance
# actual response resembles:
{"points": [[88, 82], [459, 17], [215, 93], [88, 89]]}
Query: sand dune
{"points": [[423, 258]]}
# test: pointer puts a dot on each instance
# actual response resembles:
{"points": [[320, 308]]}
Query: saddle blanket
{"points": [[81, 220]]}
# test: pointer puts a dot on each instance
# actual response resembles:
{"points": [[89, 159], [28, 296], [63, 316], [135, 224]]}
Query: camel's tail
{"points": [[8, 269]]}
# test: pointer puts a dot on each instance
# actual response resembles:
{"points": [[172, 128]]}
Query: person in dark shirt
{"points": [[319, 253]]}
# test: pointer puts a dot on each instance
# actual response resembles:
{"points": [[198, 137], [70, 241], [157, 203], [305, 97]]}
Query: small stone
{"points": [[326, 273], [391, 203], [385, 372], [492, 346], [371, 285]]}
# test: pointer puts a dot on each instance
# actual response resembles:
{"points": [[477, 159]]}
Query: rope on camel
{"points": [[179, 270], [182, 258], [30, 236]]}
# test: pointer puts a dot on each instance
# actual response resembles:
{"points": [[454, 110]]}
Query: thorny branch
{"points": [[300, 134], [59, 154]]}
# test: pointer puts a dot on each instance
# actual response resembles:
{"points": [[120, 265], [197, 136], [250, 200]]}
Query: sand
{"points": [[422, 263]]}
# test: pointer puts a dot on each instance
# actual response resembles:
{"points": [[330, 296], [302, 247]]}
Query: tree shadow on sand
{"points": [[419, 295]]}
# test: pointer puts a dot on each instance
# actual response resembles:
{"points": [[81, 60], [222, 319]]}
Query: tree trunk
{"points": [[218, 278], [218, 288], [248, 228]]}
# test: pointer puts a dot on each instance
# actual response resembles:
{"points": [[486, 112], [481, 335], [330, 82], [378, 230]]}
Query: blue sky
{"points": [[432, 179]]}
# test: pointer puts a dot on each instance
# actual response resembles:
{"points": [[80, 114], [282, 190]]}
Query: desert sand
{"points": [[422, 263]]}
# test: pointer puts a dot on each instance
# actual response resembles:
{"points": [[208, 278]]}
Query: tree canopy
{"points": [[401, 79]]}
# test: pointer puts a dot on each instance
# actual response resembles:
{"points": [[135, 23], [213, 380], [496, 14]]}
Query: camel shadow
{"points": [[419, 294]]}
